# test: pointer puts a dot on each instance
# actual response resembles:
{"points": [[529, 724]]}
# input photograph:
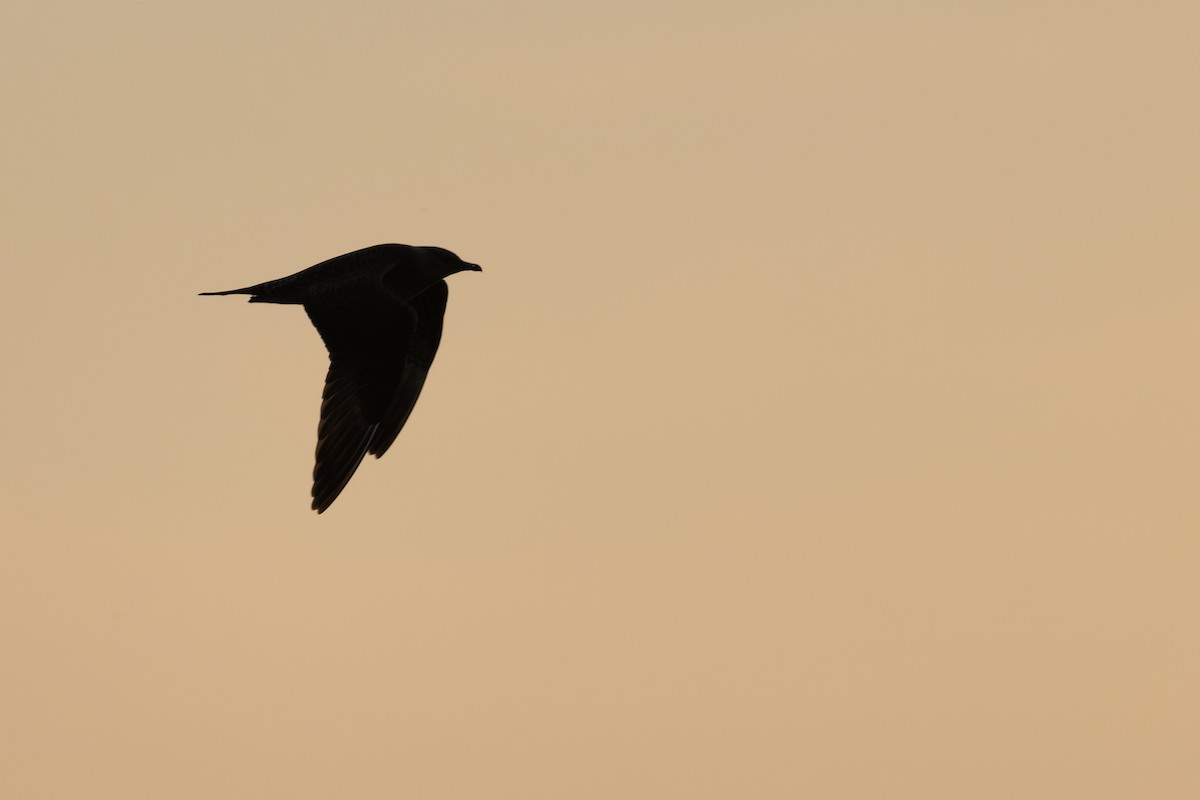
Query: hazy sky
{"points": [[824, 423]]}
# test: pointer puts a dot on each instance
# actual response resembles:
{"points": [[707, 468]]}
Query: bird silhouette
{"points": [[379, 311]]}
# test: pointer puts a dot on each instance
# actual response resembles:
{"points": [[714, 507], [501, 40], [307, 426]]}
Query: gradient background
{"points": [[824, 423]]}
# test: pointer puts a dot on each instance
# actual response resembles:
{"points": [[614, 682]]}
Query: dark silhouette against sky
{"points": [[379, 311]]}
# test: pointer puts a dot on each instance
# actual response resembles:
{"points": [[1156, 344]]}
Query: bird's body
{"points": [[379, 311]]}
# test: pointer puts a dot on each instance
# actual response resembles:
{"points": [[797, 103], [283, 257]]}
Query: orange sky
{"points": [[824, 423]]}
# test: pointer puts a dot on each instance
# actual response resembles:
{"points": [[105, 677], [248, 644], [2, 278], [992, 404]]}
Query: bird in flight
{"points": [[379, 311]]}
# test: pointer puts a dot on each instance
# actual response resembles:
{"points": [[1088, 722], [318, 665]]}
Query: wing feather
{"points": [[368, 333], [430, 308]]}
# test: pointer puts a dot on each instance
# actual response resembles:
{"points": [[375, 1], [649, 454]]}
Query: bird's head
{"points": [[444, 262], [418, 268]]}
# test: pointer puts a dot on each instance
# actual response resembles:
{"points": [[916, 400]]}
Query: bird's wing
{"points": [[430, 306], [367, 331]]}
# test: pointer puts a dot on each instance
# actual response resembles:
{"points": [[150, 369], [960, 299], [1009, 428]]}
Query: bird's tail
{"points": [[269, 292], [247, 290]]}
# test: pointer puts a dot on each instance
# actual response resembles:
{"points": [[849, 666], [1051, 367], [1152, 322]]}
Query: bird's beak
{"points": [[474, 267]]}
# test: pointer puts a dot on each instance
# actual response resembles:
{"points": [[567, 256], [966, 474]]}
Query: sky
{"points": [[824, 422]]}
